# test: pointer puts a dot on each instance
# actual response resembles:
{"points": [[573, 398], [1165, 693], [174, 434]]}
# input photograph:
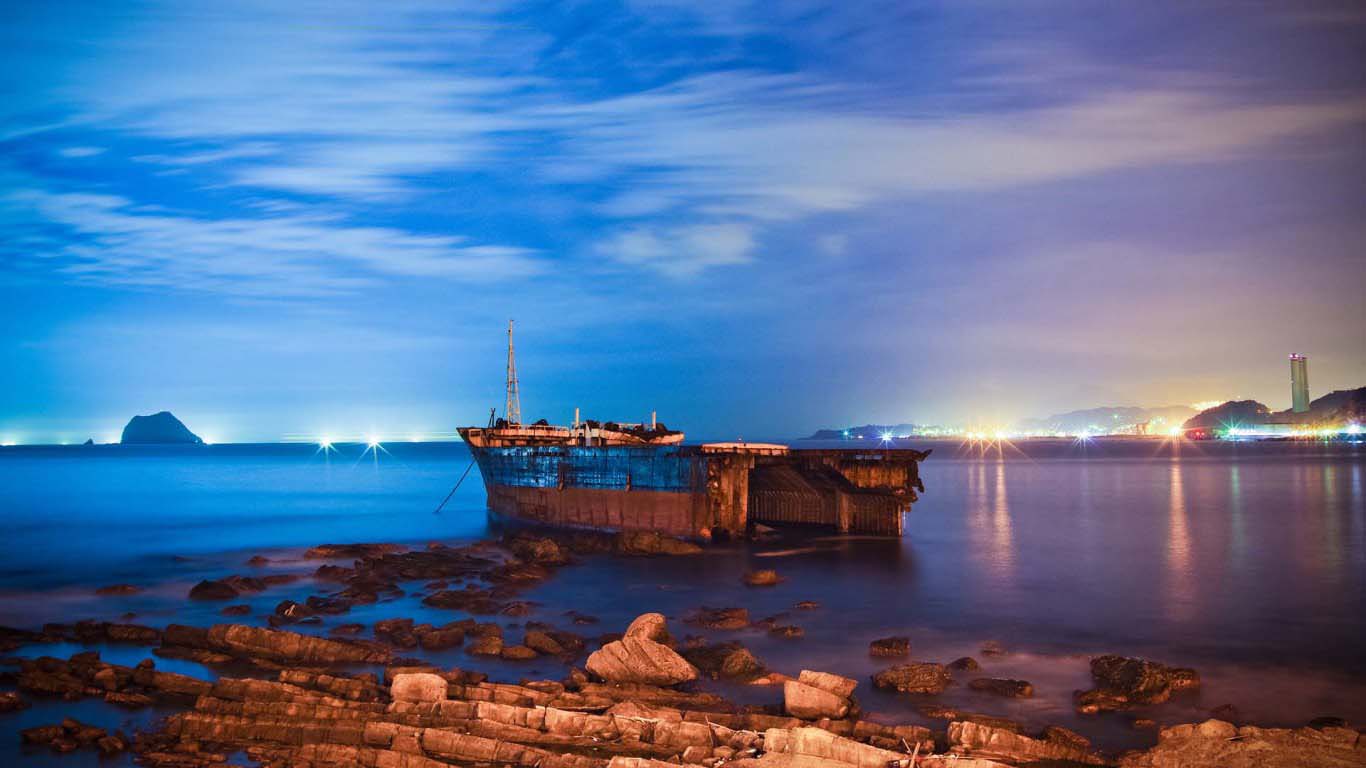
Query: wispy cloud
{"points": [[117, 242]]}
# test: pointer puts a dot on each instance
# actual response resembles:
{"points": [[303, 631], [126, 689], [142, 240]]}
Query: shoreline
{"points": [[489, 582]]}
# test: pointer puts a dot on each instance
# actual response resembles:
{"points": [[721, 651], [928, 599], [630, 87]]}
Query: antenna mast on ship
{"points": [[512, 411]]}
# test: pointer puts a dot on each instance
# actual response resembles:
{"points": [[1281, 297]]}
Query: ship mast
{"points": [[512, 411]]}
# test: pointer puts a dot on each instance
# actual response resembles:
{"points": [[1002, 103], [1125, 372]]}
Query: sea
{"points": [[1244, 560]]}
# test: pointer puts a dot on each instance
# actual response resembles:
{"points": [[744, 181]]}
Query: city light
{"points": [[886, 437], [1174, 432]]}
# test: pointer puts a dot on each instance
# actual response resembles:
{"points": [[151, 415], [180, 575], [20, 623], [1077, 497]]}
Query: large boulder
{"points": [[816, 695], [916, 677], [278, 645], [418, 686], [653, 543], [635, 658], [1015, 689]]}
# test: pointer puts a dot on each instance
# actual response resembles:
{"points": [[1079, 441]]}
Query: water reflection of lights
{"points": [[1180, 599]]}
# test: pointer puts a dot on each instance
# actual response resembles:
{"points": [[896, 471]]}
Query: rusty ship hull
{"points": [[712, 491]]}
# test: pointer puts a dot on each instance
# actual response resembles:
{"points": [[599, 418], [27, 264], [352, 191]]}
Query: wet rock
{"points": [[724, 660], [258, 561], [890, 646], [517, 653], [1060, 735], [1320, 723], [418, 686], [1217, 743], [916, 677], [441, 638], [487, 645], [964, 664], [653, 543], [291, 611], [581, 618], [469, 600], [273, 644], [349, 551], [1143, 724], [787, 630], [720, 618], [333, 573], [118, 589], [992, 648], [543, 642], [11, 702], [762, 578], [236, 610], [948, 713], [638, 659], [347, 629], [1123, 681], [104, 631], [981, 741], [806, 605], [1016, 689], [397, 632], [537, 549], [213, 590]]}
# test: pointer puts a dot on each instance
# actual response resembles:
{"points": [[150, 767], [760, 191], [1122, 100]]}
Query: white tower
{"points": [[512, 411]]}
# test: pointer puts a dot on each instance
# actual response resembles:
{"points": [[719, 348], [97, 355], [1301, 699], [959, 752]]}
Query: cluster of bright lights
{"points": [[1238, 432]]}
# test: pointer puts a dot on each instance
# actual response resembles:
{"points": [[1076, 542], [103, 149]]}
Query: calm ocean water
{"points": [[1247, 561]]}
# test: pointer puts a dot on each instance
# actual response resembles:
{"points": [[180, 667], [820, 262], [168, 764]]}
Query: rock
{"points": [[118, 589], [258, 561], [890, 646], [1217, 743], [1226, 712], [441, 638], [653, 543], [542, 642], [964, 664], [916, 677], [762, 578], [652, 626], [517, 653], [158, 428], [806, 605], [539, 550], [1320, 723], [723, 660], [418, 686], [1123, 681], [992, 648], [281, 646], [1143, 724], [11, 702], [350, 551], [1060, 735], [638, 659], [810, 703], [1017, 689], [347, 629], [397, 632], [948, 713], [720, 618], [977, 740], [487, 645], [787, 630], [236, 610], [212, 590]]}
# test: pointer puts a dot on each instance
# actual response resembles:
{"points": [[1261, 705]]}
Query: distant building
{"points": [[1299, 383]]}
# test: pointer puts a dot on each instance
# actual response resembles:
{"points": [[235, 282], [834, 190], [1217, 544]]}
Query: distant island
{"points": [[867, 430], [159, 428], [1105, 419]]}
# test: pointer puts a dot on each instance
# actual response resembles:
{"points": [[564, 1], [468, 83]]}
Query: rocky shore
{"points": [[634, 697]]}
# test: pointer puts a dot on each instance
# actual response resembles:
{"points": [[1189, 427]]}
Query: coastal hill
{"points": [[1106, 417], [159, 428], [1338, 407]]}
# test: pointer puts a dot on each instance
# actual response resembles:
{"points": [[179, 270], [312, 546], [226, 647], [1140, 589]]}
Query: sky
{"points": [[286, 220]]}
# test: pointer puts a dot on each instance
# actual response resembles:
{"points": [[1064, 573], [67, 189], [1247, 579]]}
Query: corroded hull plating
{"points": [[699, 491]]}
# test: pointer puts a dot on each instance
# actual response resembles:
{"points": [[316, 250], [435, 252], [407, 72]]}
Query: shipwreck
{"points": [[612, 476]]}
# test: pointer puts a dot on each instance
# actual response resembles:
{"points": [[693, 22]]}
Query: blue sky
{"points": [[290, 219]]}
